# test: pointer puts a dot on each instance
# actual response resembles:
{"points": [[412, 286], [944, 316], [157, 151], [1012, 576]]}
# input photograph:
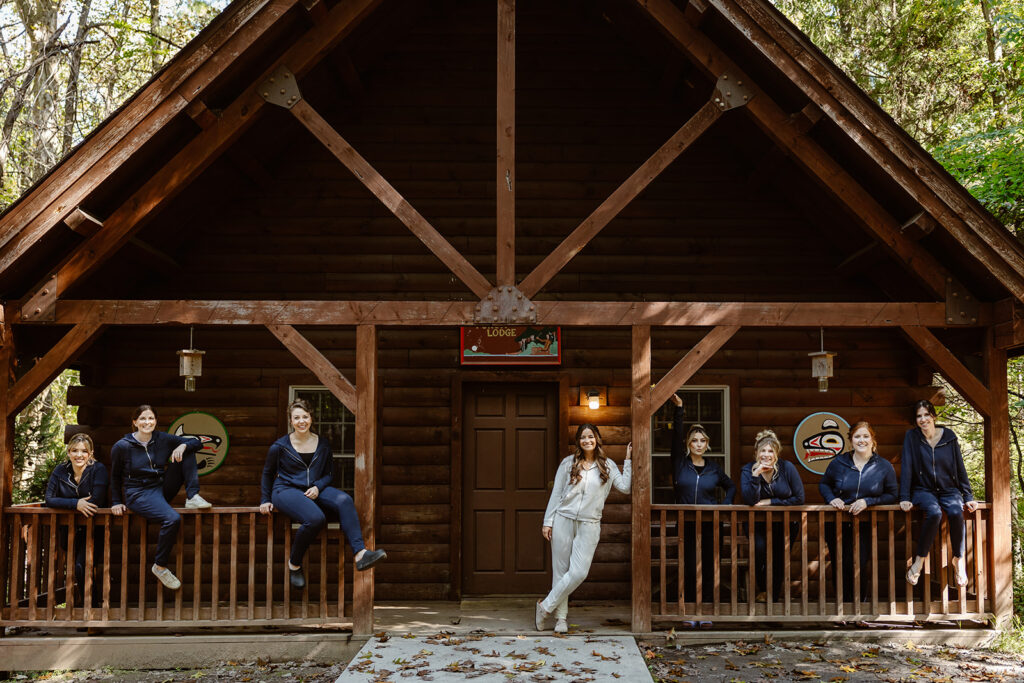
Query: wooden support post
{"points": [[641, 502], [51, 365], [365, 470], [997, 481], [317, 363], [693, 361], [6, 433], [951, 368], [506, 162], [622, 196]]}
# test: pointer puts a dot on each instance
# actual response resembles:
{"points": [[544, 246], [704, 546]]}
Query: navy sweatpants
{"points": [[150, 502], [932, 505], [312, 515]]}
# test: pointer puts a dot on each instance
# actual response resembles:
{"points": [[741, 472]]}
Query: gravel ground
{"points": [[741, 662], [831, 662]]}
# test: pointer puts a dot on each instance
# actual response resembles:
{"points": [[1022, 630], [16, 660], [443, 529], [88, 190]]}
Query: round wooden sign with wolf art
{"points": [[818, 438], [211, 432]]}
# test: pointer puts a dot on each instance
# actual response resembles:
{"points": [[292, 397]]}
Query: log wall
{"points": [[247, 373]]}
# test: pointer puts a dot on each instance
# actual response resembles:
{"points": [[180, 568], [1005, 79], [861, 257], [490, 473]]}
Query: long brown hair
{"points": [[599, 457]]}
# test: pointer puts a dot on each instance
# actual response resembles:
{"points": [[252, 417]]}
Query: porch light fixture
{"points": [[190, 363], [821, 364], [593, 397]]}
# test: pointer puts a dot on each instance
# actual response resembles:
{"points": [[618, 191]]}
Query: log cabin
{"points": [[329, 197]]}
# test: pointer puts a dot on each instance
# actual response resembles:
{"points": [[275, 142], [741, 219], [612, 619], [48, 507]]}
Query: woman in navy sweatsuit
{"points": [[150, 467], [933, 478], [853, 482], [79, 483], [296, 481], [697, 481], [770, 481]]}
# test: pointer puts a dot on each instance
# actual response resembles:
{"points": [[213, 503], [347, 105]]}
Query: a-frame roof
{"points": [[112, 173]]}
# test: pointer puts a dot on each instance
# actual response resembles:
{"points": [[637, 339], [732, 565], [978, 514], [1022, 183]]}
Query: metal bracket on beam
{"points": [[731, 92], [961, 306], [41, 307], [281, 88], [506, 305]]}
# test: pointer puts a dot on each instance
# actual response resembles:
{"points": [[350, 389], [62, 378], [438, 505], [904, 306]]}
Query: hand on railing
{"points": [[118, 510], [266, 508], [86, 508], [906, 505]]}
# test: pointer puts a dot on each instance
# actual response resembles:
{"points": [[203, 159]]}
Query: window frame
{"points": [[338, 452], [727, 425]]}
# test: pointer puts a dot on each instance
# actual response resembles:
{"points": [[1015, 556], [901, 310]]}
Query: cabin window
{"points": [[337, 423], [708, 405]]}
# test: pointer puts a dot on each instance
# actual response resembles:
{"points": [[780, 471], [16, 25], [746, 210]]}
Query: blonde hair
{"points": [[82, 437], [696, 429], [767, 437]]}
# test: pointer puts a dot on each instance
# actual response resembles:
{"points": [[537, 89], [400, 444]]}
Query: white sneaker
{"points": [[166, 577], [197, 502], [914, 573], [960, 572], [561, 626], [541, 618]]}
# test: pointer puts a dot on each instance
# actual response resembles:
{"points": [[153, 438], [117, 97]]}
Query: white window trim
{"points": [[726, 446]]}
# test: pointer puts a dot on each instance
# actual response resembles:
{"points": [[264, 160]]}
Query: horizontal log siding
{"points": [[246, 372]]}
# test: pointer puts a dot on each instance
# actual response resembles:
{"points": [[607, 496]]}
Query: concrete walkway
{"points": [[490, 658]]}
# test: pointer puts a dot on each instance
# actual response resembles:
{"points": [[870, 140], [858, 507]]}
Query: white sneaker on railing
{"points": [[197, 502], [166, 577]]}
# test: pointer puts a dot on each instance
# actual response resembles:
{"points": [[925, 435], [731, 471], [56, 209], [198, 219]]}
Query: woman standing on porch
{"points": [[854, 481], [147, 468], [296, 481], [79, 483], [572, 521], [697, 481], [934, 479], [769, 481]]}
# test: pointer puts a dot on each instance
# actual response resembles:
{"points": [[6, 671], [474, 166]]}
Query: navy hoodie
{"points": [[785, 489], [689, 487], [63, 492], [939, 469], [131, 459], [875, 483], [285, 467]]}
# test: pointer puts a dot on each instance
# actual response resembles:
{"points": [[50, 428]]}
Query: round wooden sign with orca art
{"points": [[211, 432], [818, 438]]}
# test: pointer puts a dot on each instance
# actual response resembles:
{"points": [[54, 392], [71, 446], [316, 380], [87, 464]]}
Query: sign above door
{"points": [[511, 345]]}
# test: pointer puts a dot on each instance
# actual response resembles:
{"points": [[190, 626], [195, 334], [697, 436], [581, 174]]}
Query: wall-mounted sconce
{"points": [[593, 397]]}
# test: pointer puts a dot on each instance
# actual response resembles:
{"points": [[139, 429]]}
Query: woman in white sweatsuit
{"points": [[572, 521]]}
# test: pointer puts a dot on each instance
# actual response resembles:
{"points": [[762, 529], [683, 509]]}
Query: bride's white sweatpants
{"points": [[572, 550]]}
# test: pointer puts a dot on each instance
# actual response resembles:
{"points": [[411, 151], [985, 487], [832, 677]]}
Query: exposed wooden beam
{"points": [[950, 367], [622, 196], [997, 482], [666, 313], [505, 185], [805, 119], [51, 365], [696, 11], [918, 225], [161, 100], [778, 126], [640, 409], [367, 420], [201, 114], [88, 225], [688, 366], [199, 152], [6, 417], [316, 363], [888, 145], [391, 198], [82, 222]]}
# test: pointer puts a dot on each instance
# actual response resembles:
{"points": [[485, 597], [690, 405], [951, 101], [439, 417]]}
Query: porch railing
{"points": [[809, 591], [231, 562]]}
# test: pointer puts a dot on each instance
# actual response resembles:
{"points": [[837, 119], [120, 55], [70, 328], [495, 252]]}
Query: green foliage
{"points": [[39, 438]]}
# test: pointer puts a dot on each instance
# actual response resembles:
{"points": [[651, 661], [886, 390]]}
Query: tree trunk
{"points": [[74, 70]]}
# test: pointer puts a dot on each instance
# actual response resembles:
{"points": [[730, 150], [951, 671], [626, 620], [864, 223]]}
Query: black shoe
{"points": [[296, 578], [370, 558]]}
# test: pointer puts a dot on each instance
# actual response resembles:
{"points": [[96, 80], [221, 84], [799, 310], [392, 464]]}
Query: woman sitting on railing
{"points": [[697, 481], [572, 520], [854, 481], [79, 483], [296, 480], [150, 467], [934, 479], [770, 481]]}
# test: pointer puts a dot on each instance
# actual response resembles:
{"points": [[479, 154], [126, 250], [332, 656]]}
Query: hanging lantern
{"points": [[821, 364], [190, 364]]}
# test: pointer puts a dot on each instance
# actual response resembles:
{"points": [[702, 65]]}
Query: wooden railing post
{"points": [[641, 502], [997, 481], [365, 469]]}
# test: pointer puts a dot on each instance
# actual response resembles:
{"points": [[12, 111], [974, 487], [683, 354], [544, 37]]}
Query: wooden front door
{"points": [[510, 448]]}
